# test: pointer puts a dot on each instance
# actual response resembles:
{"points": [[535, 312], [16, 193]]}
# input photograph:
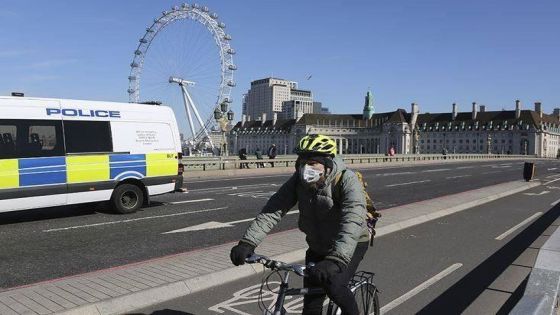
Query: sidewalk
{"points": [[125, 288]]}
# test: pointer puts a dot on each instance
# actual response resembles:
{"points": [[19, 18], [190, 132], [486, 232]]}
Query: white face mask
{"points": [[310, 175]]}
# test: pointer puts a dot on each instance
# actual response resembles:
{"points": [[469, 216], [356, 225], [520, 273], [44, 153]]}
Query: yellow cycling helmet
{"points": [[316, 144]]}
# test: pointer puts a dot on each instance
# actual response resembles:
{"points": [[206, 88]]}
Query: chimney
{"points": [[414, 108], [454, 112], [557, 113], [517, 109], [482, 108], [538, 108], [243, 119], [474, 110], [263, 117], [274, 118]]}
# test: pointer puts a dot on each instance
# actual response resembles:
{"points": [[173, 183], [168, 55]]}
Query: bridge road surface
{"points": [[45, 244], [467, 262]]}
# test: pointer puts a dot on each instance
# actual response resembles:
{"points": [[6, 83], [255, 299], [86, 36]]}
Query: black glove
{"points": [[240, 252], [325, 270]]}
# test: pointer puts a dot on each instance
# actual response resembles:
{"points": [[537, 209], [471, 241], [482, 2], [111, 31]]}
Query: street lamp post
{"points": [[223, 118]]}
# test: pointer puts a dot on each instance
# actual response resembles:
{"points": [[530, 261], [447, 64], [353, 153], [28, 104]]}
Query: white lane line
{"points": [[391, 174], [231, 187], [409, 183], [552, 169], [132, 220], [216, 225], [458, 176], [555, 203], [437, 170], [508, 232], [493, 172], [552, 181], [423, 286], [235, 178], [190, 201], [464, 167]]}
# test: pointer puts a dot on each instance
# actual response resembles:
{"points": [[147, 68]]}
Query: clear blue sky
{"points": [[433, 52]]}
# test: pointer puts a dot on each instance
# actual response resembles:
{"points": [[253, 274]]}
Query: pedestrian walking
{"points": [[259, 155], [243, 156], [272, 152]]}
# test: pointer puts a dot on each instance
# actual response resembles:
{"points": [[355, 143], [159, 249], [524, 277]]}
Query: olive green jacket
{"points": [[332, 227]]}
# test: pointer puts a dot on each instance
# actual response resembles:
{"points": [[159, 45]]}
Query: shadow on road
{"points": [[458, 297], [163, 312], [63, 212]]}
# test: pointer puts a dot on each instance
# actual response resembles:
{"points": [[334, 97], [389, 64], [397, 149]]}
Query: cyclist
{"points": [[336, 230]]}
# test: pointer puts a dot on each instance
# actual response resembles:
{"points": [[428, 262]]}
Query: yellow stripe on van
{"points": [[9, 174], [87, 168], [161, 164]]}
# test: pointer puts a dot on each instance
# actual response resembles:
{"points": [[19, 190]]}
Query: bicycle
{"points": [[361, 284]]}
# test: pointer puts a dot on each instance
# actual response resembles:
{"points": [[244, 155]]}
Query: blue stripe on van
{"points": [[42, 171], [127, 165]]}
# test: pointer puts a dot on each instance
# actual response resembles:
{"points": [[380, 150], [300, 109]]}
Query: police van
{"points": [[56, 152]]}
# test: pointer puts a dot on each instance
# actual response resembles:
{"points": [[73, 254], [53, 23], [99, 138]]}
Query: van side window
{"points": [[88, 136], [8, 137], [26, 138]]}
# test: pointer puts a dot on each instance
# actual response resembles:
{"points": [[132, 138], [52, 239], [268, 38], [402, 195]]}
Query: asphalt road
{"points": [[467, 250], [45, 244]]}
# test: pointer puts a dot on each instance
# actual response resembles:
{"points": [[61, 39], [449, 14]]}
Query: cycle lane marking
{"points": [[423, 286], [132, 220], [513, 229]]}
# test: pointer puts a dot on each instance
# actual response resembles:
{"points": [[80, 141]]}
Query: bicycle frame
{"points": [[285, 291]]}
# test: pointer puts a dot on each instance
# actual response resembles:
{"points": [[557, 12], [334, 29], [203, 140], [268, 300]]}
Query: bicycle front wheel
{"points": [[366, 297]]}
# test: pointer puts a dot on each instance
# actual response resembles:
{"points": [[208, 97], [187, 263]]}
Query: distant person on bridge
{"points": [[259, 156], [272, 152], [243, 156], [332, 212]]}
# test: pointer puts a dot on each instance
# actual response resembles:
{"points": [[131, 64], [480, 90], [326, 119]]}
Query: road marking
{"points": [[464, 167], [232, 187], [508, 232], [552, 187], [544, 192], [552, 169], [190, 201], [552, 181], [398, 301], [409, 183], [459, 176], [555, 203], [132, 220], [215, 225], [391, 174], [493, 172], [236, 178], [437, 170]]}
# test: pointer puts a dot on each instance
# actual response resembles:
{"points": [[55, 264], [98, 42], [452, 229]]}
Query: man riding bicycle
{"points": [[335, 228]]}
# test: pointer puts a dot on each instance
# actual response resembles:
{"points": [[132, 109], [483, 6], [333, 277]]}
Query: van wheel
{"points": [[127, 198]]}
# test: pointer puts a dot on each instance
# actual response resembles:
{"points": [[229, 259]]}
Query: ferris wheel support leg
{"points": [[189, 115], [198, 117]]}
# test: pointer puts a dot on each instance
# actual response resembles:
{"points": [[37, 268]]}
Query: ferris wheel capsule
{"points": [[222, 25], [196, 6], [205, 9], [231, 51], [185, 5], [214, 16], [227, 37]]}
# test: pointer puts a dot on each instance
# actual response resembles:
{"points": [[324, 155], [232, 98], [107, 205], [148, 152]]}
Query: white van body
{"points": [[57, 152]]}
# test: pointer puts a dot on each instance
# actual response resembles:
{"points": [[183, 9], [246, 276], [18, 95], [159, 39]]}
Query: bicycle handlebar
{"points": [[298, 269]]}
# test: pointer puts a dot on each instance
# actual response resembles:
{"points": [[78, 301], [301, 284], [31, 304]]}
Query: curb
{"points": [[542, 293]]}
